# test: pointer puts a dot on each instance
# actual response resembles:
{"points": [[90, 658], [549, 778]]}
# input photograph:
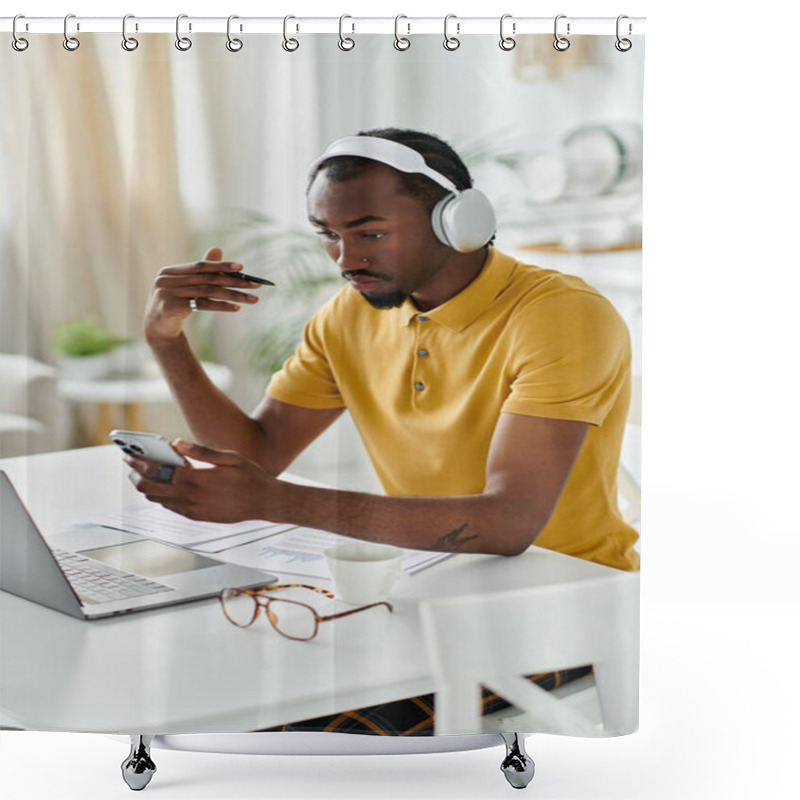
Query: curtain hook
{"points": [[623, 45], [70, 42], [17, 42], [290, 45], [400, 42], [451, 42], [561, 43], [234, 45], [507, 42], [183, 43], [129, 43], [345, 42]]}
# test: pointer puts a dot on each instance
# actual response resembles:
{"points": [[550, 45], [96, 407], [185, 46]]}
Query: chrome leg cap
{"points": [[517, 766], [138, 768], [518, 769]]}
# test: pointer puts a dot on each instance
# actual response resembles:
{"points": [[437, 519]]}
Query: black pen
{"points": [[245, 277]]}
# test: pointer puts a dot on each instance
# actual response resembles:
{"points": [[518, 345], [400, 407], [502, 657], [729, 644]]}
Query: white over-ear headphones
{"points": [[463, 220]]}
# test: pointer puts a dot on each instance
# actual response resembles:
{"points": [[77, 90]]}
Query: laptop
{"points": [[92, 572]]}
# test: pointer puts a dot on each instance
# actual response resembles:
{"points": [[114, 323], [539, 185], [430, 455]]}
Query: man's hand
{"points": [[208, 282], [233, 489]]}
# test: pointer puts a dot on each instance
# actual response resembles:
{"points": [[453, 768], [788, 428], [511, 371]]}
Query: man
{"points": [[490, 395]]}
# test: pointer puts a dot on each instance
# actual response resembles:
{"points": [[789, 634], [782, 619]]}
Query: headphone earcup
{"points": [[464, 221]]}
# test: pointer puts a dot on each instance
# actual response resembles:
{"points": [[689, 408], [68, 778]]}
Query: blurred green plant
{"points": [[84, 337], [304, 276]]}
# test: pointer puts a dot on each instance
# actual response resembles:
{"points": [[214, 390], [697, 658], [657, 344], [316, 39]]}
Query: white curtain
{"points": [[91, 203], [117, 163]]}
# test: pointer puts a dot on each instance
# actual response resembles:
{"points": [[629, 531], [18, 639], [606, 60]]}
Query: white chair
{"points": [[495, 640], [28, 405], [629, 489]]}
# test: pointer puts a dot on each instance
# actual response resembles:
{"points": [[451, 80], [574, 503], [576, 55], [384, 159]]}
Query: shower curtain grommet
{"points": [[183, 43], [507, 43], [623, 45], [346, 43], [401, 42], [234, 45], [561, 43], [70, 43], [129, 43], [17, 42], [451, 42], [289, 44]]}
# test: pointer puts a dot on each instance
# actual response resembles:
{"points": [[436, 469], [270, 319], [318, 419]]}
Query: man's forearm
{"points": [[213, 418], [483, 523]]}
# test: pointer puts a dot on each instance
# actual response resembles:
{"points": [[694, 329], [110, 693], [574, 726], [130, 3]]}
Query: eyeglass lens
{"points": [[294, 620], [240, 609]]}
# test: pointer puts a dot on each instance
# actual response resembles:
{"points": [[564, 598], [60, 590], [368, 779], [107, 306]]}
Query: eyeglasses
{"points": [[290, 618]]}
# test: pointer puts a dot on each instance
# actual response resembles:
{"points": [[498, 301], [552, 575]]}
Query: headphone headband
{"points": [[463, 220], [386, 151]]}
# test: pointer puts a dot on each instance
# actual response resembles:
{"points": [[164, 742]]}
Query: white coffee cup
{"points": [[363, 572]]}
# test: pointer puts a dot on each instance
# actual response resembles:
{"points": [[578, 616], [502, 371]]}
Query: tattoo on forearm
{"points": [[370, 537], [454, 540]]}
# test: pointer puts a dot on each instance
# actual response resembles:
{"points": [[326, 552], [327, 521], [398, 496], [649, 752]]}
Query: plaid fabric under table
{"points": [[414, 716]]}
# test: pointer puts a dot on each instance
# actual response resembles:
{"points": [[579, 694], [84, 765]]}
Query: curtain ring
{"points": [[183, 43], [129, 43], [289, 45], [70, 42], [234, 45], [507, 42], [451, 42], [623, 45], [400, 42], [560, 43], [17, 42], [345, 42]]}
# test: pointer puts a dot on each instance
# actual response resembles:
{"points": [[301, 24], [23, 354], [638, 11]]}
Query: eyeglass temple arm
{"points": [[257, 591], [355, 611]]}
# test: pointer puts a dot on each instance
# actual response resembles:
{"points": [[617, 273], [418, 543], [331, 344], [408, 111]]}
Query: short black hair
{"points": [[438, 155]]}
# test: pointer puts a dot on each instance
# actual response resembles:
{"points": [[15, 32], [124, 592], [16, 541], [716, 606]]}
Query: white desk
{"points": [[185, 668]]}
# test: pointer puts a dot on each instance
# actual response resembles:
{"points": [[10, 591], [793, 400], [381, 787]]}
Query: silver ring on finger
{"points": [[193, 304], [165, 473]]}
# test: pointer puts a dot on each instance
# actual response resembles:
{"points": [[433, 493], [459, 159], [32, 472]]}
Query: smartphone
{"points": [[151, 446]]}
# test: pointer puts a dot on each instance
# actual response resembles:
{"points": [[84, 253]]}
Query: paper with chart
{"points": [[157, 522], [300, 551], [271, 546]]}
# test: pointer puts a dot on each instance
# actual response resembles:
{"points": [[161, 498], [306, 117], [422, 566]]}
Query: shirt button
{"points": [[422, 353], [423, 318], [419, 386]]}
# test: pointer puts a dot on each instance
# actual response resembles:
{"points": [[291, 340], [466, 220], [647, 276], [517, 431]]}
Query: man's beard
{"points": [[389, 300]]}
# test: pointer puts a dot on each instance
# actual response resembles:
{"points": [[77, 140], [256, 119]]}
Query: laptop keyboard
{"points": [[95, 582]]}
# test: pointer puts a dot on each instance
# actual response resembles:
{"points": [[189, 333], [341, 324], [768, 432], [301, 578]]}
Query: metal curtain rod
{"points": [[461, 26]]}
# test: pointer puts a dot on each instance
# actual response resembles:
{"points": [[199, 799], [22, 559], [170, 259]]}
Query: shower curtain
{"points": [[138, 157]]}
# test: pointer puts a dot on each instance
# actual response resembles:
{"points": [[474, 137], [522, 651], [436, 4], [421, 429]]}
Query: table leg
{"points": [[133, 416], [103, 423]]}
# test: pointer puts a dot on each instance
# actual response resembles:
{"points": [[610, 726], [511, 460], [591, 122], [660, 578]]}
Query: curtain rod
{"points": [[406, 26]]}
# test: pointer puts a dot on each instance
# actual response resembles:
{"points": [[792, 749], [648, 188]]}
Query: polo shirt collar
{"points": [[464, 308]]}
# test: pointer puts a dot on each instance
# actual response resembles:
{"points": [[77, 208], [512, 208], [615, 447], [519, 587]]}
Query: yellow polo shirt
{"points": [[425, 389]]}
